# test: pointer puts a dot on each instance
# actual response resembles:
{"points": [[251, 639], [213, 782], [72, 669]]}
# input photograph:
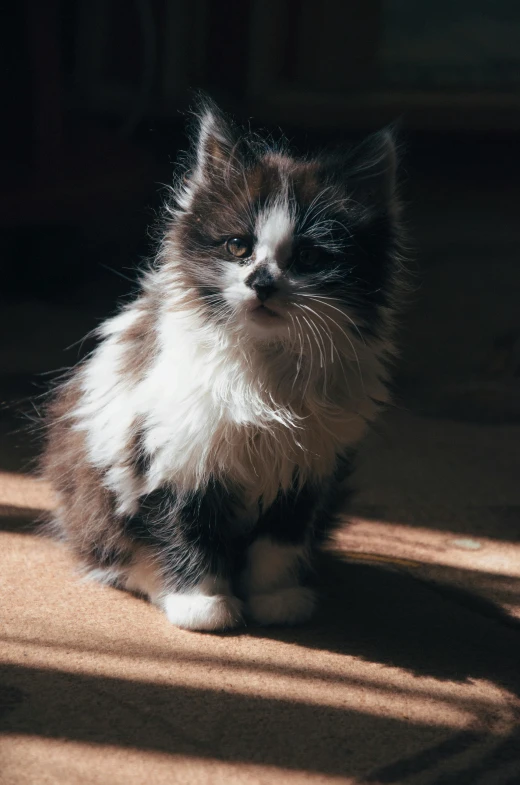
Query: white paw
{"points": [[201, 612], [285, 606]]}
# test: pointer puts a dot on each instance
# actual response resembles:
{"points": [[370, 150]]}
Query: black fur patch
{"points": [[291, 515], [334, 498], [189, 532], [288, 518], [140, 458]]}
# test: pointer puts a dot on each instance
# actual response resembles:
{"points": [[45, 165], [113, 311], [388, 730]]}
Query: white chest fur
{"points": [[206, 410]]}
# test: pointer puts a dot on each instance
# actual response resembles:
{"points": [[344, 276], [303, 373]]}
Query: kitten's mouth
{"points": [[261, 313]]}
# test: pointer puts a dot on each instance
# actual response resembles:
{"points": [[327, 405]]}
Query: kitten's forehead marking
{"points": [[274, 230]]}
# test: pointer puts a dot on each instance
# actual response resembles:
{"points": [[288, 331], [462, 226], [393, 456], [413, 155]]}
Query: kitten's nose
{"points": [[262, 282], [263, 291]]}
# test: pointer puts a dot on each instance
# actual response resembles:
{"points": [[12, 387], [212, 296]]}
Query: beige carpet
{"points": [[409, 674]]}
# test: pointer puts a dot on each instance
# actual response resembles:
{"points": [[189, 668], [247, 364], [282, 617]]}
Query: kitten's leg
{"points": [[272, 583], [186, 565], [208, 605], [287, 532], [277, 560]]}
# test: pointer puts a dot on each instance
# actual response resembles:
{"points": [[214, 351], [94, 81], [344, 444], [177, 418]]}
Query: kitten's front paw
{"points": [[201, 612], [285, 606]]}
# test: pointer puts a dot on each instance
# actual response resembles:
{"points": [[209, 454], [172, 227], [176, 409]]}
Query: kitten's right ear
{"points": [[216, 144]]}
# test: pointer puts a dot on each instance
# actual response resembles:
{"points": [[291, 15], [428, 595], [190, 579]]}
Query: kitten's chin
{"points": [[264, 322]]}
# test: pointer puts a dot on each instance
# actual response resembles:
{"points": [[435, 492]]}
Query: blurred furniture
{"points": [[59, 167], [334, 63]]}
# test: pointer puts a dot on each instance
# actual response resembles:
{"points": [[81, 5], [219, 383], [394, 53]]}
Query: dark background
{"points": [[95, 95]]}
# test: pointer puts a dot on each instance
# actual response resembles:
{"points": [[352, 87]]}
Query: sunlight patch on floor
{"points": [[429, 704], [412, 546], [23, 757]]}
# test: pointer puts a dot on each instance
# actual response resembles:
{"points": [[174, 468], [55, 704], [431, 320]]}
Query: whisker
{"points": [[356, 357], [329, 334], [300, 358], [309, 323], [318, 299]]}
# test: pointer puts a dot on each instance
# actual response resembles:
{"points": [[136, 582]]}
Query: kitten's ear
{"points": [[374, 165], [216, 143], [369, 171]]}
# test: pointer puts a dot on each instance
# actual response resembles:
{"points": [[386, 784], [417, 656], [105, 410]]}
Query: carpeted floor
{"points": [[409, 673]]}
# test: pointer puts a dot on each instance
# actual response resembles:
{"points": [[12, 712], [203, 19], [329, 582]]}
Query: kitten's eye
{"points": [[309, 257], [239, 247]]}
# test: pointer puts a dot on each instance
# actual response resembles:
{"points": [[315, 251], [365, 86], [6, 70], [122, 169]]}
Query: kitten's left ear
{"points": [[369, 171], [374, 165]]}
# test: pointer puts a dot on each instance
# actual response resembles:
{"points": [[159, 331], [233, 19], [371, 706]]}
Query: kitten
{"points": [[198, 453]]}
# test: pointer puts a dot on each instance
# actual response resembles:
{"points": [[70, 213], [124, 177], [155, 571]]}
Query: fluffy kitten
{"points": [[197, 454]]}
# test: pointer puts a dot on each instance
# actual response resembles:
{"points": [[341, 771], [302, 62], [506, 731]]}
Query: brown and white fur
{"points": [[198, 452]]}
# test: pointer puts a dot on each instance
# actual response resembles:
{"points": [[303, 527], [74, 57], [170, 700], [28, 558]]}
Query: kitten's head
{"points": [[276, 247]]}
